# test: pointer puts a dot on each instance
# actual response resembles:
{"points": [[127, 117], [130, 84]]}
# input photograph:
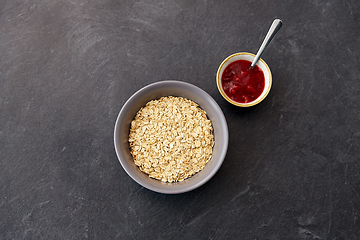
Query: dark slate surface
{"points": [[67, 67]]}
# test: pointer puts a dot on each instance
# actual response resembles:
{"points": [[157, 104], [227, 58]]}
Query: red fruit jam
{"points": [[241, 83]]}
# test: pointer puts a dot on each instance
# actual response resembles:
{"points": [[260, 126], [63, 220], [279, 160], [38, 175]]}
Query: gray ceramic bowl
{"points": [[156, 91]]}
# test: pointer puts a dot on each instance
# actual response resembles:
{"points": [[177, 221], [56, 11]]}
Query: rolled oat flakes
{"points": [[171, 139]]}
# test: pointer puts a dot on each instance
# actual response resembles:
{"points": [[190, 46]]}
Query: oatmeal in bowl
{"points": [[171, 137]]}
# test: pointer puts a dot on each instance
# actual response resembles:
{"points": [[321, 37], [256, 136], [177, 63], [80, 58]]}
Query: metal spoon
{"points": [[275, 26]]}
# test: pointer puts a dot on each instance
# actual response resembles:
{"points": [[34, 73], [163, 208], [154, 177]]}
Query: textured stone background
{"points": [[67, 67]]}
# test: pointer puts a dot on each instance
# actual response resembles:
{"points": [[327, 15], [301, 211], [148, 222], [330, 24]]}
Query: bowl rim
{"points": [[185, 188], [218, 81]]}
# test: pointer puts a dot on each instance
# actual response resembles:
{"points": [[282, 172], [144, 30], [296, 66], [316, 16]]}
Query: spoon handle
{"points": [[275, 26]]}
